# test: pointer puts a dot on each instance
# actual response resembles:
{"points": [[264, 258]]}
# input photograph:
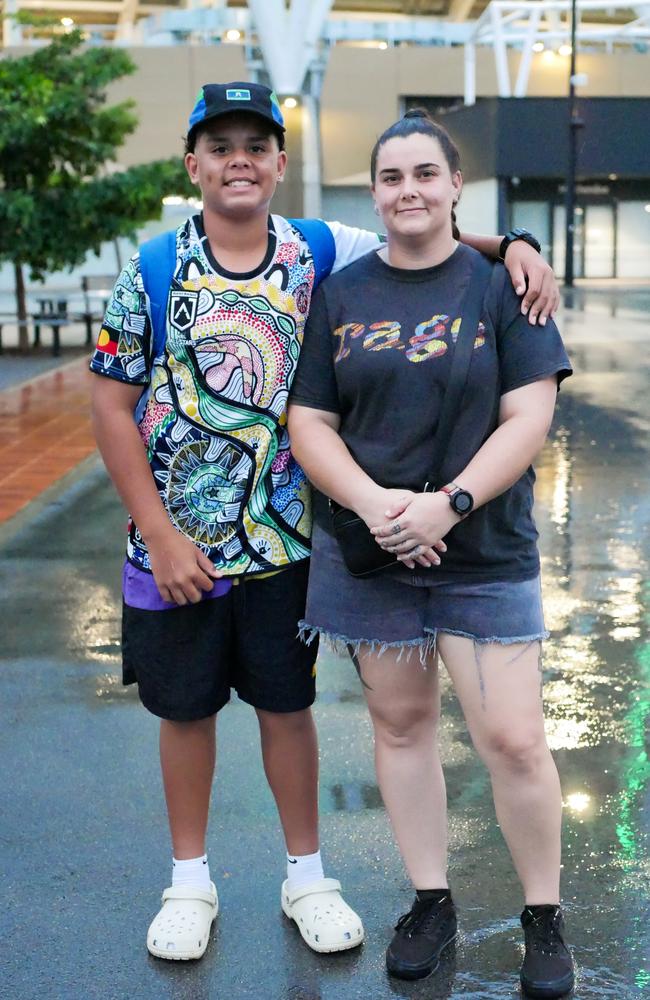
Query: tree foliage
{"points": [[60, 194]]}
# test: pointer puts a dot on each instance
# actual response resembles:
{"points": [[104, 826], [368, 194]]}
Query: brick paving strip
{"points": [[46, 433]]}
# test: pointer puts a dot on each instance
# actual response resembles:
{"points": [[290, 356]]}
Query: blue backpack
{"points": [[158, 261]]}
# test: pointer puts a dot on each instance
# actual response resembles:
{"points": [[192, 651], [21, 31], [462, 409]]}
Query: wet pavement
{"points": [[83, 837]]}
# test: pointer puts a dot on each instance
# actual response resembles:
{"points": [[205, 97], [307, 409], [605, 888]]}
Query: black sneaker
{"points": [[547, 970], [421, 937]]}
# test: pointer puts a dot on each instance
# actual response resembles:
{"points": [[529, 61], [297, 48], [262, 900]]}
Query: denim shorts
{"points": [[401, 609]]}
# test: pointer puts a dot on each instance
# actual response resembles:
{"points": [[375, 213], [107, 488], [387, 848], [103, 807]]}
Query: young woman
{"points": [[364, 407]]}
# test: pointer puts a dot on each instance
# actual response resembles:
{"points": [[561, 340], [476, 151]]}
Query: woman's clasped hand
{"points": [[415, 529]]}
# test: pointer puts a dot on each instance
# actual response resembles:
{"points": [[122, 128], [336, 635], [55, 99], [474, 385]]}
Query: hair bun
{"points": [[417, 113]]}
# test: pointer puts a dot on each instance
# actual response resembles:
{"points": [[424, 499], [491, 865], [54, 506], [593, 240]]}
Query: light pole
{"points": [[575, 123]]}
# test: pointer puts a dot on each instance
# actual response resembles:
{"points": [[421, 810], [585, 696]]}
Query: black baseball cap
{"points": [[216, 99]]}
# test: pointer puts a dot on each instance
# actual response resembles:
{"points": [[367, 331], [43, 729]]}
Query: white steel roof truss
{"points": [[288, 38], [505, 23]]}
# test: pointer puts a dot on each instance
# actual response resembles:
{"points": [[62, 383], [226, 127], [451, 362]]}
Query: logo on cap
{"points": [[238, 95]]}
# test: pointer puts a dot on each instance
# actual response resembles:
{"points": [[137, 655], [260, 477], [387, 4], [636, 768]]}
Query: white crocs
{"points": [[325, 921], [181, 930]]}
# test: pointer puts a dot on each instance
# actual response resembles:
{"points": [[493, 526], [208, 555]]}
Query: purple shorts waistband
{"points": [[139, 590]]}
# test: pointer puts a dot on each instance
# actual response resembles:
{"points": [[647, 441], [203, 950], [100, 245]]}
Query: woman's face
{"points": [[414, 189]]}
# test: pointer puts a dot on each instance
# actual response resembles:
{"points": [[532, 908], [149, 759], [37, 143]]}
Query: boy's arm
{"points": [[181, 570], [528, 271]]}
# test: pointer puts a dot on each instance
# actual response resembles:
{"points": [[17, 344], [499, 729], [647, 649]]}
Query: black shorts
{"points": [[186, 660]]}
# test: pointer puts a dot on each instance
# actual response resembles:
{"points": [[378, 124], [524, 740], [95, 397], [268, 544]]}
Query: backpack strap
{"points": [[320, 240], [157, 263], [158, 260]]}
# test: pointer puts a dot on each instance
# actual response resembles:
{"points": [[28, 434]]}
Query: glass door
{"points": [[633, 239], [559, 241], [593, 241], [598, 238]]}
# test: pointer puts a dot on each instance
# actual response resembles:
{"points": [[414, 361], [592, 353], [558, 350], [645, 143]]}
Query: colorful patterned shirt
{"points": [[213, 411]]}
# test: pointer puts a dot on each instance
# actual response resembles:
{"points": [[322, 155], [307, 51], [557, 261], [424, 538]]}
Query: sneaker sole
{"points": [[421, 972], [539, 992]]}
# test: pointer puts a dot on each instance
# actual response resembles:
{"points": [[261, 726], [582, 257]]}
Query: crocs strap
{"points": [[188, 892], [323, 885]]}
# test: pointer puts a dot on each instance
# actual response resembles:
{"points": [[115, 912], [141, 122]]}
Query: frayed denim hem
{"points": [[343, 645], [500, 640]]}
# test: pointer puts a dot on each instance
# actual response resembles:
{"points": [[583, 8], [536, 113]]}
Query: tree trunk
{"points": [[118, 255], [21, 309]]}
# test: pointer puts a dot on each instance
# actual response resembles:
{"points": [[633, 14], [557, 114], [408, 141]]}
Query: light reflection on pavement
{"points": [[66, 715]]}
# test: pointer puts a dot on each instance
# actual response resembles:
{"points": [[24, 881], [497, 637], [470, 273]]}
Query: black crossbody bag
{"points": [[361, 553]]}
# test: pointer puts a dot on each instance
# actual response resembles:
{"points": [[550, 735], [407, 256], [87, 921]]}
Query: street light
{"points": [[575, 123]]}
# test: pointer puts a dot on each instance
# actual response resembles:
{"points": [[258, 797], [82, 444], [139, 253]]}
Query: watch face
{"points": [[462, 502], [528, 237]]}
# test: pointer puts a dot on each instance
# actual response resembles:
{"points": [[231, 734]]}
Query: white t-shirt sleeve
{"points": [[352, 243]]}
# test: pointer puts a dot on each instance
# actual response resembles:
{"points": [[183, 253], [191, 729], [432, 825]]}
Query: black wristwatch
{"points": [[518, 234], [460, 500]]}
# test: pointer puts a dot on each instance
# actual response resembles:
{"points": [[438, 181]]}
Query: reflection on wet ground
{"points": [[615, 299], [63, 706]]}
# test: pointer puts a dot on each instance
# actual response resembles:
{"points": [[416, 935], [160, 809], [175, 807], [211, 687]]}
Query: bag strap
{"points": [[471, 314], [157, 264], [320, 239]]}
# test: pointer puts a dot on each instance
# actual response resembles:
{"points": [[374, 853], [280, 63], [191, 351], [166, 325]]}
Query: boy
{"points": [[216, 572]]}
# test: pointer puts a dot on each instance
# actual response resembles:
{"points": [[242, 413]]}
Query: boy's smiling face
{"points": [[237, 163]]}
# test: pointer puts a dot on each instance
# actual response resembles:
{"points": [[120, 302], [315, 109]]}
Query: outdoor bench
{"points": [[52, 320], [56, 313]]}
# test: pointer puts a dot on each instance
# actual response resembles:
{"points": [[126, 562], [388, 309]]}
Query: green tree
{"points": [[57, 138]]}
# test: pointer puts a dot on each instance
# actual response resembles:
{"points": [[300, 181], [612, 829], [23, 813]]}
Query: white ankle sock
{"points": [[303, 869], [194, 872]]}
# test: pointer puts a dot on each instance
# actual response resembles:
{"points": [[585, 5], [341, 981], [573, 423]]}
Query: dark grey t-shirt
{"points": [[376, 351]]}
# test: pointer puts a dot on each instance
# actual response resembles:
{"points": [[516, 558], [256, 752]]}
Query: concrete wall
{"points": [[164, 87], [477, 210], [361, 94], [363, 87], [350, 204]]}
